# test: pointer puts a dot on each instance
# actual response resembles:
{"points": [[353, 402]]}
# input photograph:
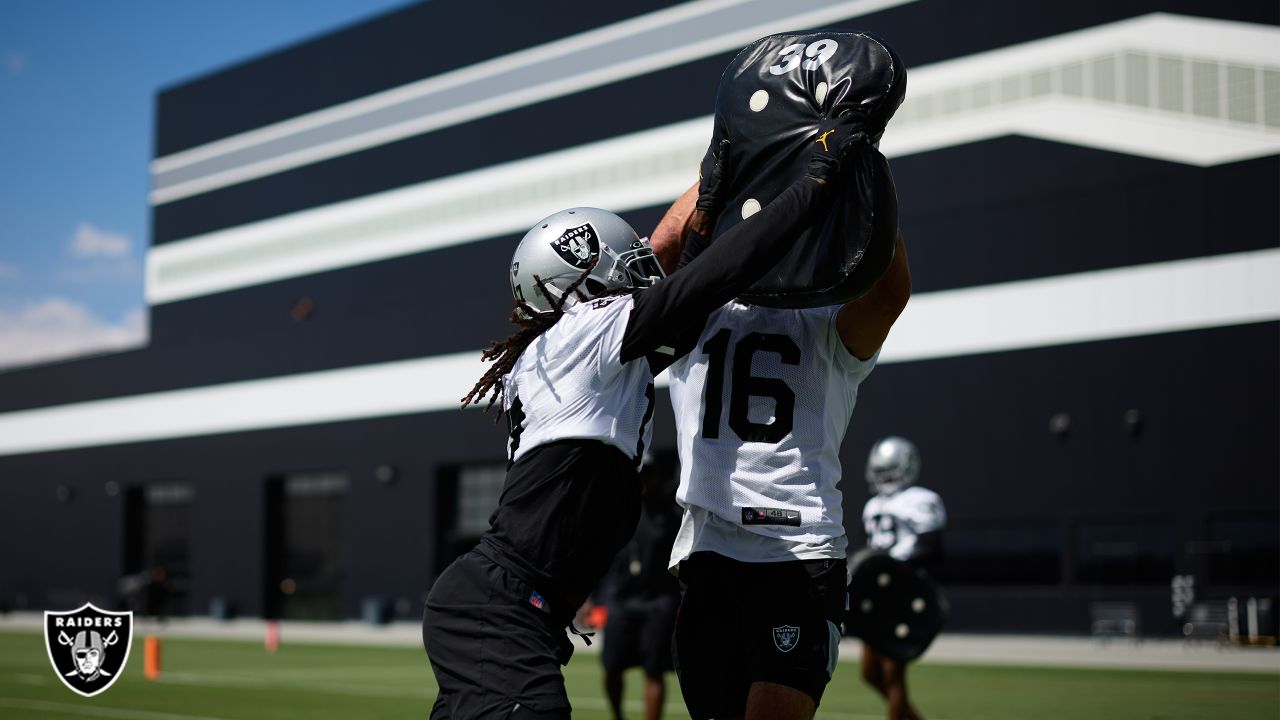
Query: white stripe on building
{"points": [[595, 58], [1156, 298], [1120, 87]]}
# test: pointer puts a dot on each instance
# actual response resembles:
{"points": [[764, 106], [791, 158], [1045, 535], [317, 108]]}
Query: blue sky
{"points": [[78, 80]]}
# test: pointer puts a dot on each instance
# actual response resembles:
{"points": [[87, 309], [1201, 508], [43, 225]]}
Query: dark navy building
{"points": [[1090, 364]]}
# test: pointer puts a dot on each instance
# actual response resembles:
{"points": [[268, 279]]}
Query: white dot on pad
{"points": [[749, 208], [883, 580], [902, 630], [918, 605], [759, 99], [819, 93]]}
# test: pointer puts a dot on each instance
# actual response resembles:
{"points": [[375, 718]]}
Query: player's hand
{"points": [[835, 140], [713, 179]]}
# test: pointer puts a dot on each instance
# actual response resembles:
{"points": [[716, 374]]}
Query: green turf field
{"points": [[213, 679]]}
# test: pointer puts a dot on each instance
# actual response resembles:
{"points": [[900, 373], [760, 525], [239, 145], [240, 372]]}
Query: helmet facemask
{"points": [[636, 267]]}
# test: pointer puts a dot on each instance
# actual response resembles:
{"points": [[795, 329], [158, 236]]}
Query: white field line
{"points": [[96, 710], [673, 707]]}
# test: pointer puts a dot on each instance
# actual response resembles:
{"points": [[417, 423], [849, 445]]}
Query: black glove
{"points": [[835, 141], [713, 179]]}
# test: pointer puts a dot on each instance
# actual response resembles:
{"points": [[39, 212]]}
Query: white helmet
{"points": [[561, 247], [894, 464]]}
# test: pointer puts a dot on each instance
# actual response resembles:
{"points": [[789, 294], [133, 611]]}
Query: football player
{"points": [[596, 324], [641, 598], [906, 521], [761, 406]]}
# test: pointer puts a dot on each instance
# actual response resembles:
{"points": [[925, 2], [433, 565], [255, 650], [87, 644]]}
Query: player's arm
{"points": [[679, 305], [905, 548], [863, 324], [667, 316], [667, 239], [926, 520], [685, 230]]}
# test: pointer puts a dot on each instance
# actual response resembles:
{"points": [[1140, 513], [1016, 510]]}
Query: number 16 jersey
{"points": [[761, 408]]}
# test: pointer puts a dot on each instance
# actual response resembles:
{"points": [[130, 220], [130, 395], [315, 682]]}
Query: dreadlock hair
{"points": [[504, 354]]}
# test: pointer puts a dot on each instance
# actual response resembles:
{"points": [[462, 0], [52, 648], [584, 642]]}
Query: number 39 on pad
{"points": [[818, 52]]}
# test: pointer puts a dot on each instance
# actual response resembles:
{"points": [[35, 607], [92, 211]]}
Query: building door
{"points": [[305, 546], [157, 548]]}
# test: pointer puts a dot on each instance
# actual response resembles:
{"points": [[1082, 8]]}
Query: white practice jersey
{"points": [[761, 407], [570, 384], [894, 521]]}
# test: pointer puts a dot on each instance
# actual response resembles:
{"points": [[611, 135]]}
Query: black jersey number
{"points": [[884, 531], [746, 385], [515, 428]]}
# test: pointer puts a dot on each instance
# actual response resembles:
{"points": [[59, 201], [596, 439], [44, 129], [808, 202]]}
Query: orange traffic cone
{"points": [[151, 657]]}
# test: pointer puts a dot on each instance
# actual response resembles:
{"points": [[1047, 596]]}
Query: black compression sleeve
{"points": [[679, 304], [694, 244]]}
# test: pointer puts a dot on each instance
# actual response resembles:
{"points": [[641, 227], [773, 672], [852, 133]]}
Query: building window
{"points": [[479, 487], [1244, 548], [1123, 551], [466, 496], [1001, 553]]}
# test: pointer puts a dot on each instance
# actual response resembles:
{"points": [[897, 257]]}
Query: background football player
{"points": [[906, 521], [641, 598], [576, 383]]}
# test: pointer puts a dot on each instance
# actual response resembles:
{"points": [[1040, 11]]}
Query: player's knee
{"points": [[893, 673], [871, 675]]}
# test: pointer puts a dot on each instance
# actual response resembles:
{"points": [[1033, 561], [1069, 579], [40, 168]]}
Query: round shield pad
{"points": [[893, 607], [769, 105]]}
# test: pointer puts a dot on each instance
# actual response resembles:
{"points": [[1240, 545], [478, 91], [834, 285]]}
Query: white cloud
{"points": [[57, 328], [92, 241], [100, 270]]}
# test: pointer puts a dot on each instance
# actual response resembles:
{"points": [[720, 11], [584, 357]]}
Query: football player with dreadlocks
{"points": [[596, 321]]}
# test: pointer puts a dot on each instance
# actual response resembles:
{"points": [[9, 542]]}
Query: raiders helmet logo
{"points": [[786, 637], [88, 647], [580, 246]]}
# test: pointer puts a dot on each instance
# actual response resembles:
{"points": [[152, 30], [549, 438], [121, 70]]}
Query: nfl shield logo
{"points": [[786, 637], [88, 646]]}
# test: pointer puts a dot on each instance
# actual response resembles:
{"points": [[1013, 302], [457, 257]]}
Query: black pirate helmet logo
{"points": [[579, 246], [88, 646]]}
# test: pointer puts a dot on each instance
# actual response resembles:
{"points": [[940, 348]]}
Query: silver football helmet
{"points": [[562, 246], [894, 464]]}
